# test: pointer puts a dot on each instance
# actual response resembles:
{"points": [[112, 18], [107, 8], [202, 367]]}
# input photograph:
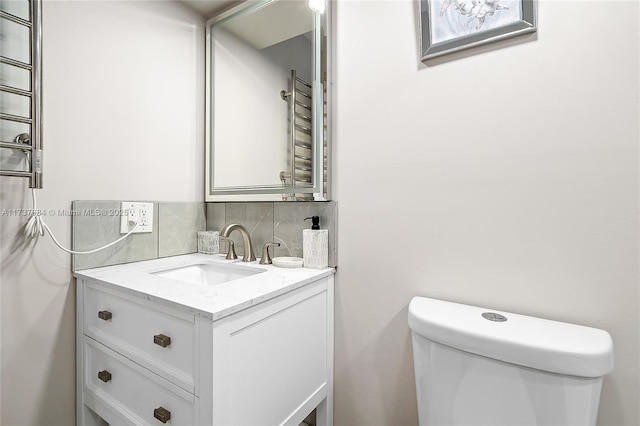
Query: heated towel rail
{"points": [[20, 90], [300, 151]]}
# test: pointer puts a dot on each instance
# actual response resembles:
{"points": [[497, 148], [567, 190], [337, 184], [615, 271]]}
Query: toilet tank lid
{"points": [[538, 343]]}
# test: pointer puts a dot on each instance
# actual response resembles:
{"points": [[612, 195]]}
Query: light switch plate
{"points": [[134, 212]]}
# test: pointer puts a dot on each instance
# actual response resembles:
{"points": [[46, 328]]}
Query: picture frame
{"points": [[448, 26]]}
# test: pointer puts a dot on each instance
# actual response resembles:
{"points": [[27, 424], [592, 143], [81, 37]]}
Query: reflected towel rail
{"points": [[300, 104], [306, 130], [303, 145]]}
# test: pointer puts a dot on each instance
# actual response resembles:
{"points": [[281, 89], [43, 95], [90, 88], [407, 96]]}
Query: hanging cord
{"points": [[36, 226]]}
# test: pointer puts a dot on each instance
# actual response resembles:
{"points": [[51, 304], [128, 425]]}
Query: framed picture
{"points": [[451, 25]]}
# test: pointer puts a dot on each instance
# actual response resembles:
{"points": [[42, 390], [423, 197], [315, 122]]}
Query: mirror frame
{"points": [[320, 190]]}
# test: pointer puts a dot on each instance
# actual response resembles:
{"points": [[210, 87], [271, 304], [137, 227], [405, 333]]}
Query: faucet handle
{"points": [[266, 259], [231, 253]]}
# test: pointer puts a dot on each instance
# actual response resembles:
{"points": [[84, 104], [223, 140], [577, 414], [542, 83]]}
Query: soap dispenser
{"points": [[315, 245]]}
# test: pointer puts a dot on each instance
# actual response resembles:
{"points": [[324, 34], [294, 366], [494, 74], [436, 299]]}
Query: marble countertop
{"points": [[211, 301]]}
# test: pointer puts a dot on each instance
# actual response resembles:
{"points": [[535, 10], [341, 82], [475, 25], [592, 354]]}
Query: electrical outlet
{"points": [[132, 213]]}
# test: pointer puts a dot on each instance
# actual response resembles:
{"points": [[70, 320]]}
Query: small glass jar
{"points": [[208, 242]]}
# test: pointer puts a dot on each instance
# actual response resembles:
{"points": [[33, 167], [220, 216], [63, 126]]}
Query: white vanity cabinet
{"points": [[145, 360]]}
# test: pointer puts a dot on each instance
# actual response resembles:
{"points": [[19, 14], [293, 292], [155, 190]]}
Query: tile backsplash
{"points": [[175, 233], [280, 222], [178, 223]]}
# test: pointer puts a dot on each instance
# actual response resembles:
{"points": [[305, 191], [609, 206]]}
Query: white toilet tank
{"points": [[477, 366]]}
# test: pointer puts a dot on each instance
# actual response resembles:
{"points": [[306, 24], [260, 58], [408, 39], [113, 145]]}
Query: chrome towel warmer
{"points": [[21, 132], [299, 99]]}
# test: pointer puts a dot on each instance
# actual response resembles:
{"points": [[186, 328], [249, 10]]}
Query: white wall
{"points": [[123, 119], [505, 177], [251, 119], [250, 128]]}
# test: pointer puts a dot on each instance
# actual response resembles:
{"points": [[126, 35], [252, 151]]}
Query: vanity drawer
{"points": [[158, 338], [136, 394]]}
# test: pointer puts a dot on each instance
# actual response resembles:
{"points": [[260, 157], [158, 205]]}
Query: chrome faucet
{"points": [[248, 247], [266, 259]]}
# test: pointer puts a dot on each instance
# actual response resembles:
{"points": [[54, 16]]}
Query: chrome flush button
{"points": [[492, 316]]}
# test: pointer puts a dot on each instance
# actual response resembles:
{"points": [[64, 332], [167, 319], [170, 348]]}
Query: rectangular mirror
{"points": [[268, 103]]}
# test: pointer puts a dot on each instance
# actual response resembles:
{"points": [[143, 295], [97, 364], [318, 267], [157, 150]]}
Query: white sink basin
{"points": [[208, 273]]}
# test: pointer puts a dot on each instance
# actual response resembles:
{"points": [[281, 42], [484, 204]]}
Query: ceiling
{"points": [[264, 27], [210, 8]]}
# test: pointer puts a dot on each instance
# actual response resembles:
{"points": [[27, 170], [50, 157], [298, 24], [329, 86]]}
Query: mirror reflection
{"points": [[266, 101]]}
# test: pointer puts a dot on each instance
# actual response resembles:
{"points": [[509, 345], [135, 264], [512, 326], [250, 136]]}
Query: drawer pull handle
{"points": [[162, 340], [162, 414], [104, 375], [105, 315]]}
